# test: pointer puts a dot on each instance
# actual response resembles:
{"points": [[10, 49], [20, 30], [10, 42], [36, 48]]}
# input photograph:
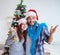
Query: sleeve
{"points": [[9, 40], [46, 34]]}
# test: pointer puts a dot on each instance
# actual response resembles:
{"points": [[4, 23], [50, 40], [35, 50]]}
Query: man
{"points": [[37, 34]]}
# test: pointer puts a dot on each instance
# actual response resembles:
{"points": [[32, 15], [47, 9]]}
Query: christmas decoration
{"points": [[20, 11], [6, 50]]}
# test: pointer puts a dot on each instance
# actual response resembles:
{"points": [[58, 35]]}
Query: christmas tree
{"points": [[20, 12]]}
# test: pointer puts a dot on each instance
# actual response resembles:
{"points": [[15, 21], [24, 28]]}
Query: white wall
{"points": [[48, 11]]}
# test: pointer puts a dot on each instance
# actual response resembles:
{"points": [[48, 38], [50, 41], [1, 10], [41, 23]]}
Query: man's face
{"points": [[31, 20]]}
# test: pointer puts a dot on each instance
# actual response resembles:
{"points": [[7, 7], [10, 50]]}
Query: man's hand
{"points": [[53, 29]]}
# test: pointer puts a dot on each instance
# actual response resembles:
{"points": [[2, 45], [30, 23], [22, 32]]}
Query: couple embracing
{"points": [[28, 37]]}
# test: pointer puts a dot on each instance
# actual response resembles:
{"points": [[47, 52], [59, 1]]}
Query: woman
{"points": [[17, 38]]}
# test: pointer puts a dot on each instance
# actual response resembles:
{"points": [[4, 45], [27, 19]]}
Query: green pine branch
{"points": [[21, 2]]}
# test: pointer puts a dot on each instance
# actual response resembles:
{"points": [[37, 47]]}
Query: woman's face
{"points": [[24, 26]]}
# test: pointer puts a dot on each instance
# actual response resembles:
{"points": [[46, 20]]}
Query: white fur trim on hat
{"points": [[23, 20], [30, 13]]}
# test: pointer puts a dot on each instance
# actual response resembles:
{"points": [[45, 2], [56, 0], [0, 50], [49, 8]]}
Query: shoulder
{"points": [[44, 25]]}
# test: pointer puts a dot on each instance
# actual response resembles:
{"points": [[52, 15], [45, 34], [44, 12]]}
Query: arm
{"points": [[10, 38], [52, 31], [50, 39]]}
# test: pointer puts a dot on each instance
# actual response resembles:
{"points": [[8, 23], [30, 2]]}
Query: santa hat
{"points": [[23, 20], [32, 12]]}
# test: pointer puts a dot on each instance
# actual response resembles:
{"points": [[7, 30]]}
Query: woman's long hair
{"points": [[20, 34]]}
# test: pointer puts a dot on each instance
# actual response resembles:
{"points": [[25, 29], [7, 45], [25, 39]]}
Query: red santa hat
{"points": [[32, 12]]}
